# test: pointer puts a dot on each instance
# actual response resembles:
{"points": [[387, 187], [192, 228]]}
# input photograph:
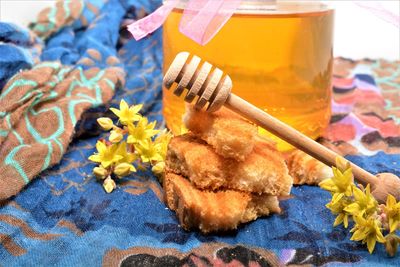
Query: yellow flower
{"points": [[106, 155], [109, 184], [342, 164], [337, 206], [392, 210], [368, 231], [141, 132], [364, 202], [105, 123], [148, 151], [123, 169], [115, 136], [127, 114], [163, 139], [100, 172], [126, 157], [158, 168], [340, 182]]}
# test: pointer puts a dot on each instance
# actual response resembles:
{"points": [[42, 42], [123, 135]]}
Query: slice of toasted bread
{"points": [[229, 134], [305, 169], [214, 211], [263, 170]]}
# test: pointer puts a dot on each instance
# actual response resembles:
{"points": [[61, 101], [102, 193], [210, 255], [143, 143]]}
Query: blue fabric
{"points": [[19, 49], [64, 218]]}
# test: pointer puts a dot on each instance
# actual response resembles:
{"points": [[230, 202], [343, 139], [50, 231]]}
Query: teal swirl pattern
{"points": [[39, 109]]}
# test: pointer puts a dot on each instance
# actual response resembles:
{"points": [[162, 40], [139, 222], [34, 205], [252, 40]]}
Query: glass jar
{"points": [[279, 57]]}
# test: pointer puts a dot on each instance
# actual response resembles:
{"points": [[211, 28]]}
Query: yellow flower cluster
{"points": [[135, 141], [371, 220]]}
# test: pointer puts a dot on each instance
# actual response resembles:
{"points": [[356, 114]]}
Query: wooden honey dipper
{"points": [[214, 88]]}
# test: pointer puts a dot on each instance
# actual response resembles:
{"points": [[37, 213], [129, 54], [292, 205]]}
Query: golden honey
{"points": [[280, 61]]}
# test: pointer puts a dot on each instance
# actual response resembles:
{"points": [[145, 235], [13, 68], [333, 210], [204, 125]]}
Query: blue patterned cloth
{"points": [[19, 49], [64, 217]]}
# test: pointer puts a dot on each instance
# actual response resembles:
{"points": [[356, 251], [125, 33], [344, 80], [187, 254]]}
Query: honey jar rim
{"points": [[273, 7]]}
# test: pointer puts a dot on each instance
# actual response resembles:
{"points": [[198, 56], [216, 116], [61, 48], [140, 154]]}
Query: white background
{"points": [[358, 33]]}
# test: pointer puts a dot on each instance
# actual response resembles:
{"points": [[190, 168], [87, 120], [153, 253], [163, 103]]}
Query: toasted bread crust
{"points": [[214, 211], [263, 170], [230, 135], [306, 170]]}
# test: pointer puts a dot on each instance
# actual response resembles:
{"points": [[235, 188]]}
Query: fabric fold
{"points": [[39, 109]]}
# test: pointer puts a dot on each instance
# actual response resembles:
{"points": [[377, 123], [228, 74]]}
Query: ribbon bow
{"points": [[201, 19]]}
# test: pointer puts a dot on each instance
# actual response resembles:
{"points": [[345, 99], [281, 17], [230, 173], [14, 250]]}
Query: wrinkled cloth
{"points": [[39, 109], [19, 49], [365, 107], [64, 217]]}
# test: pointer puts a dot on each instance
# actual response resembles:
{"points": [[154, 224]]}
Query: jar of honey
{"points": [[278, 55]]}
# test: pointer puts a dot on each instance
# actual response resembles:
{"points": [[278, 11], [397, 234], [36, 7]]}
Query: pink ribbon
{"points": [[378, 10], [201, 20], [143, 27]]}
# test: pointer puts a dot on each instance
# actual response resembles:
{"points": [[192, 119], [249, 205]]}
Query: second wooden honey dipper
{"points": [[212, 87]]}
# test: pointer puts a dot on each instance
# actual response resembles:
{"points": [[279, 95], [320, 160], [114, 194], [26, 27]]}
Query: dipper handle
{"points": [[206, 84]]}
